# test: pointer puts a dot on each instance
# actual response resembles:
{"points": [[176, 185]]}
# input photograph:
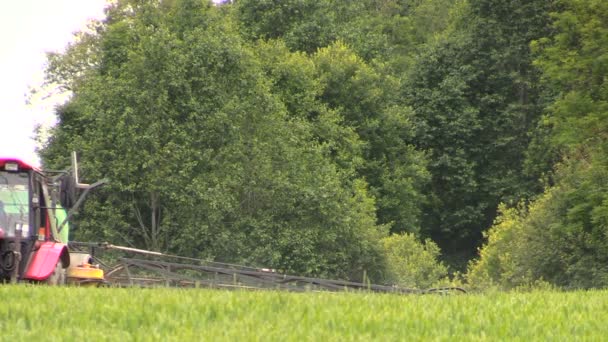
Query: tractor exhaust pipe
{"points": [[75, 171], [84, 186]]}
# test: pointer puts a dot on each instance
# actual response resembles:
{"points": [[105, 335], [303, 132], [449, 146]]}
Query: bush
{"points": [[411, 263], [501, 259], [560, 239]]}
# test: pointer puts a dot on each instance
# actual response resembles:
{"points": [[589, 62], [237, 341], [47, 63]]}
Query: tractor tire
{"points": [[57, 278]]}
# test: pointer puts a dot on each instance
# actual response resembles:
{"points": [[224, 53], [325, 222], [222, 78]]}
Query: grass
{"points": [[108, 314]]}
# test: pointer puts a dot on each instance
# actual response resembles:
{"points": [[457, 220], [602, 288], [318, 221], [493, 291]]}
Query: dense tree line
{"points": [[561, 238], [330, 137]]}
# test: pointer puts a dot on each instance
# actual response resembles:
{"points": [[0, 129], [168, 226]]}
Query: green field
{"points": [[63, 314]]}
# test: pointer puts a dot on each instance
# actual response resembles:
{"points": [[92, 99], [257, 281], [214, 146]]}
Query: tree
{"points": [[305, 25], [561, 238], [368, 102], [575, 64], [476, 98], [199, 166], [355, 114]]}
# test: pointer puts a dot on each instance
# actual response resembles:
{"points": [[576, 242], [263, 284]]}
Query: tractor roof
{"points": [[22, 165]]}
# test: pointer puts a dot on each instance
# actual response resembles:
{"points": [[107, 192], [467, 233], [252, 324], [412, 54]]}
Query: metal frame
{"points": [[195, 273]]}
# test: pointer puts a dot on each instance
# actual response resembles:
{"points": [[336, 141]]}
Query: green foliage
{"points": [[108, 314], [562, 238], [368, 102], [575, 65], [297, 134], [411, 263], [305, 25], [204, 159], [356, 115], [475, 96], [294, 79], [500, 259]]}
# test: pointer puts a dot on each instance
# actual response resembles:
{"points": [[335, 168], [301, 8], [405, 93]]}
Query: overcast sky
{"points": [[29, 28]]}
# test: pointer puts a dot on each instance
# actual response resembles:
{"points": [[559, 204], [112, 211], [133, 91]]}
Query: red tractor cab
{"points": [[31, 247]]}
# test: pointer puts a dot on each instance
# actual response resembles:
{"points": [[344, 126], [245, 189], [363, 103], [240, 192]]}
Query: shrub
{"points": [[411, 263], [561, 238]]}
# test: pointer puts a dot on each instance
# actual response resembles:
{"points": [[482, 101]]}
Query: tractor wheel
{"points": [[58, 276]]}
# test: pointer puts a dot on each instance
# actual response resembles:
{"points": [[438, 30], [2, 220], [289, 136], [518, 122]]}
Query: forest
{"points": [[408, 142]]}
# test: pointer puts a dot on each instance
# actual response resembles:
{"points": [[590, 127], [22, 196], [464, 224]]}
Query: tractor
{"points": [[34, 226]]}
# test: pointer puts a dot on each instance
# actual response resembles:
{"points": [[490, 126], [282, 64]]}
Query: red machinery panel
{"points": [[44, 260]]}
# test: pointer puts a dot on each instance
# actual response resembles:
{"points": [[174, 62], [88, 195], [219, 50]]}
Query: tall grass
{"points": [[108, 314]]}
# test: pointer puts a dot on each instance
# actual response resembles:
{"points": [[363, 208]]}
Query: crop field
{"points": [[111, 314]]}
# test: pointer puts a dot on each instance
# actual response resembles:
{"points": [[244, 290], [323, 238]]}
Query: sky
{"points": [[29, 29]]}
